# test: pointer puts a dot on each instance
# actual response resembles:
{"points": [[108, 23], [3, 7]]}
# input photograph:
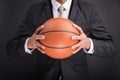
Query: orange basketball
{"points": [[58, 34]]}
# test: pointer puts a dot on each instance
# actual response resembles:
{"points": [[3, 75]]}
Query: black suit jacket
{"points": [[74, 67]]}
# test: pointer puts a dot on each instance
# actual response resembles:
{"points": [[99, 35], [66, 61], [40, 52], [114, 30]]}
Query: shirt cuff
{"points": [[28, 51], [91, 50]]}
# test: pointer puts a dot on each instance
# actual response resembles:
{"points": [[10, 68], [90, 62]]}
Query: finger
{"points": [[39, 37], [76, 38], [76, 45], [78, 49], [38, 45], [39, 29], [77, 27], [41, 50]]}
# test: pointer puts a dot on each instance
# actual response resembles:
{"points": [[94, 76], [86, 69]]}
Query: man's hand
{"points": [[33, 42], [84, 41]]}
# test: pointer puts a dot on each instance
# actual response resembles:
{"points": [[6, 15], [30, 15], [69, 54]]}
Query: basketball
{"points": [[58, 34]]}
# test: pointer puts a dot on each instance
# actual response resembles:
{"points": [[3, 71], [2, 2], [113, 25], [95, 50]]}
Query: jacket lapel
{"points": [[73, 10], [48, 10]]}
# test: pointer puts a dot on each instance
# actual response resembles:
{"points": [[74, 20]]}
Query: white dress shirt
{"points": [[55, 6]]}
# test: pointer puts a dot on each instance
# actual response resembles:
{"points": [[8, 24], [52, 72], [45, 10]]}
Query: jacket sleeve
{"points": [[15, 46], [102, 40]]}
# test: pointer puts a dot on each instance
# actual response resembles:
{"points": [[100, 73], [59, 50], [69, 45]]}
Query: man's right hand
{"points": [[33, 41]]}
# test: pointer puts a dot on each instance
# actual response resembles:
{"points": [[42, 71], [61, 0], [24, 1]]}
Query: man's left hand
{"points": [[84, 41]]}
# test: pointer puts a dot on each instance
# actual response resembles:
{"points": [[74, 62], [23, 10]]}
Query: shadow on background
{"points": [[23, 68]]}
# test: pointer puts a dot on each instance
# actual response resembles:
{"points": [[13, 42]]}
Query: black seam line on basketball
{"points": [[57, 47], [58, 31]]}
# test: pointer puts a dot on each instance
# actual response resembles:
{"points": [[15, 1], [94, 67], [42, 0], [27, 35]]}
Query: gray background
{"points": [[13, 11]]}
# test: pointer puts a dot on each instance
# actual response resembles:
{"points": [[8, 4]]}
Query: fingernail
{"points": [[73, 53], [42, 26], [42, 52], [74, 24], [73, 37], [41, 36], [43, 47], [72, 47]]}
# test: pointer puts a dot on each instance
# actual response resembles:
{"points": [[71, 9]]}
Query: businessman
{"points": [[94, 39]]}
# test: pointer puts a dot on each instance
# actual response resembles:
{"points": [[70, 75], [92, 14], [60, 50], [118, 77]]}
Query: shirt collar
{"points": [[56, 4]]}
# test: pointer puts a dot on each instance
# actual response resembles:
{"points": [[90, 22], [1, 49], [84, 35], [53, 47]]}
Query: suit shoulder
{"points": [[37, 5], [86, 4]]}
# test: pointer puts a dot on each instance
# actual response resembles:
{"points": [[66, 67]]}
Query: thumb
{"points": [[78, 28], [39, 29]]}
